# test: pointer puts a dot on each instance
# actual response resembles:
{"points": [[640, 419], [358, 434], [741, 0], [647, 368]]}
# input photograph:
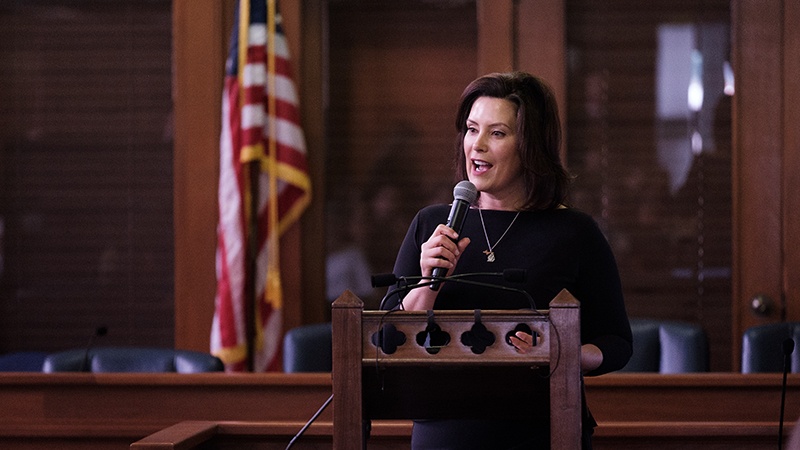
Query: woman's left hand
{"points": [[524, 341], [591, 356]]}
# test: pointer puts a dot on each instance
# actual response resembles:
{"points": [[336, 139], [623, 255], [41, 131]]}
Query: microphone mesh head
{"points": [[383, 280], [465, 191]]}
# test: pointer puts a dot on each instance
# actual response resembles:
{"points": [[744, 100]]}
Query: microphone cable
{"points": [[99, 332], [461, 278], [310, 421], [403, 283]]}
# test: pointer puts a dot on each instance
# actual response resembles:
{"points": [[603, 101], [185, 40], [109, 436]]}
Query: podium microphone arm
{"points": [[515, 275]]}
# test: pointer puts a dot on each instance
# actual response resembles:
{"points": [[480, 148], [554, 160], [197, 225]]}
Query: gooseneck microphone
{"points": [[98, 332], [387, 279], [405, 284], [464, 194], [788, 348]]}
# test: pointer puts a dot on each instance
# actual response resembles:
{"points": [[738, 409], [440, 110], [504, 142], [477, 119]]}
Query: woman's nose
{"points": [[479, 144]]}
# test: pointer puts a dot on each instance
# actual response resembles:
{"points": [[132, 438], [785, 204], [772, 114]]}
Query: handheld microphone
{"points": [[463, 195]]}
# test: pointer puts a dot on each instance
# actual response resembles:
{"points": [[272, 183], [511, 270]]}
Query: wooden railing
{"points": [[111, 411]]}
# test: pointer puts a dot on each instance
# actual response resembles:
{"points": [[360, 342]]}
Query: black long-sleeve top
{"points": [[559, 249]]}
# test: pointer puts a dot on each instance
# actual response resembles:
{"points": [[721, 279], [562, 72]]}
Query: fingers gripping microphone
{"points": [[464, 194]]}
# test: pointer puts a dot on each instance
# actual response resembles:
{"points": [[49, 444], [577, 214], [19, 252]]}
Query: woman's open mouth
{"points": [[480, 166]]}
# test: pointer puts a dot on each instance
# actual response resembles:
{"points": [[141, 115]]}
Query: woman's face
{"points": [[490, 149]]}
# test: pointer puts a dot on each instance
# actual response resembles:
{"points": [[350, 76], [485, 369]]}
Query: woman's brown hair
{"points": [[538, 128]]}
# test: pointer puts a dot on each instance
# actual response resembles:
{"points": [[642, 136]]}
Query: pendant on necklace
{"points": [[489, 255]]}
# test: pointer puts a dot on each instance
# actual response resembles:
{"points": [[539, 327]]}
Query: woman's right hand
{"points": [[442, 249]]}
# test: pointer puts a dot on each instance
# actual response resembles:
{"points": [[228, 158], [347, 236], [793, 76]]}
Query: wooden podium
{"points": [[441, 364]]}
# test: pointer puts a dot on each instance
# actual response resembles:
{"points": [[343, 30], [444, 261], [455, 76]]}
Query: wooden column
{"points": [[495, 36], [565, 379], [347, 394], [200, 35]]}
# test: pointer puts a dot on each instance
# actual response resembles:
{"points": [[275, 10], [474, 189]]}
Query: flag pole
{"points": [[273, 291], [251, 174], [251, 271]]}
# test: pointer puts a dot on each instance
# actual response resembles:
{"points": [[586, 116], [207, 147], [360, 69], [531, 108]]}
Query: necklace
{"points": [[490, 253]]}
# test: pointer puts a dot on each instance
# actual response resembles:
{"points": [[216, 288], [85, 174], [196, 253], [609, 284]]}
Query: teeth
{"points": [[481, 165]]}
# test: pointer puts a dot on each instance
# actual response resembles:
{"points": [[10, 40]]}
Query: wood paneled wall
{"points": [[85, 174], [199, 43], [765, 231]]}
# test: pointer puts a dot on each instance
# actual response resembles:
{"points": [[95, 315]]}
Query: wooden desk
{"points": [[691, 411], [395, 436], [111, 411], [108, 411], [702, 397]]}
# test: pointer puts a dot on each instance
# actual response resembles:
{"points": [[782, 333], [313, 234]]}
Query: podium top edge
{"points": [[348, 300]]}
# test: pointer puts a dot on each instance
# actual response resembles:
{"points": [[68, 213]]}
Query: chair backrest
{"points": [[308, 348], [668, 347], [132, 359], [22, 361], [762, 347]]}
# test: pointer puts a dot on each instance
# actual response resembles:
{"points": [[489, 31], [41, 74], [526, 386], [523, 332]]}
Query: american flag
{"points": [[263, 188]]}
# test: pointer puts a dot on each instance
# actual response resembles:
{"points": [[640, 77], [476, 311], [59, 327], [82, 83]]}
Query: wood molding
{"points": [[200, 30], [791, 159], [541, 49], [759, 164]]}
